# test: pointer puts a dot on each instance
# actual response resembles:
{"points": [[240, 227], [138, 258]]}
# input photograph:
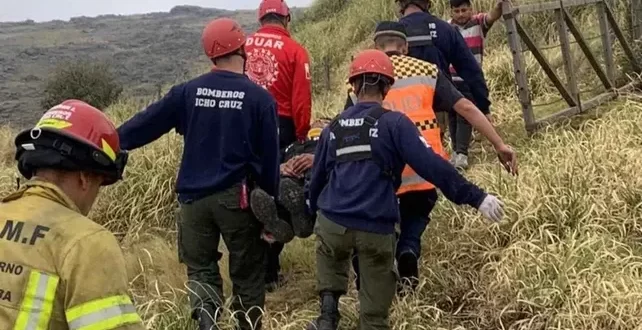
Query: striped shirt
{"points": [[474, 33]]}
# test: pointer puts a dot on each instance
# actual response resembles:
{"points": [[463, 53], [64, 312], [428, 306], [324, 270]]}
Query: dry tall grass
{"points": [[567, 256]]}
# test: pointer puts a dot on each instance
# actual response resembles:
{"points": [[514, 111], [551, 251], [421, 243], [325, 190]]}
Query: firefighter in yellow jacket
{"points": [[420, 88], [58, 269]]}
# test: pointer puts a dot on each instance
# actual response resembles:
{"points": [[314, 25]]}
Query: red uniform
{"points": [[282, 66]]}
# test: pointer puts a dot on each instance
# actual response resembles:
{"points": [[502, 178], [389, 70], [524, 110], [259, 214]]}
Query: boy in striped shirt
{"points": [[474, 28]]}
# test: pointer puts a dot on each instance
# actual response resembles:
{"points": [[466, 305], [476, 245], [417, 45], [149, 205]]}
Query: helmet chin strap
{"points": [[241, 52], [364, 83]]}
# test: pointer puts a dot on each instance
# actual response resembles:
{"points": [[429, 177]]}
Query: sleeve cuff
{"points": [[478, 203]]}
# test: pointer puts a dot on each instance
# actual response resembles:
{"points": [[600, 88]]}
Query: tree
{"points": [[88, 81]]}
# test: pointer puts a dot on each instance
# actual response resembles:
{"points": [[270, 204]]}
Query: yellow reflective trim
{"points": [[27, 302], [37, 303], [53, 123], [114, 322], [95, 306], [50, 293], [108, 150]]}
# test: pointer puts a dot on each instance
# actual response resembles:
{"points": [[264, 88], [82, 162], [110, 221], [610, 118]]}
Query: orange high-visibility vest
{"points": [[413, 93]]}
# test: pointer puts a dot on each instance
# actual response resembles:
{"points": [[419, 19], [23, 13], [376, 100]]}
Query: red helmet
{"points": [[372, 61], [72, 136], [221, 37], [273, 7]]}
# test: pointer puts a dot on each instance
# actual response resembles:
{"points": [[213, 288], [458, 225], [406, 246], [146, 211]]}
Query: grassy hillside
{"points": [[567, 255], [144, 50]]}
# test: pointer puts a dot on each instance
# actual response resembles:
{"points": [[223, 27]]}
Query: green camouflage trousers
{"points": [[200, 226], [334, 246]]}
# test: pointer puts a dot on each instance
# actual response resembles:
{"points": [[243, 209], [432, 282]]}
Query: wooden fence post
{"points": [[546, 66], [636, 19], [575, 30], [518, 65], [607, 43], [569, 67], [622, 39]]}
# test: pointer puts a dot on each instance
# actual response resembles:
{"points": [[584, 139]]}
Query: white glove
{"points": [[492, 208]]}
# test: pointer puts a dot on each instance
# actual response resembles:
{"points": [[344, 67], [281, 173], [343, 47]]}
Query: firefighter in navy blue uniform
{"points": [[420, 88], [229, 124], [357, 170], [434, 40]]}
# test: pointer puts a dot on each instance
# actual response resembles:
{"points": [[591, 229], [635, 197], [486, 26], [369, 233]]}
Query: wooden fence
{"points": [[569, 89], [636, 19]]}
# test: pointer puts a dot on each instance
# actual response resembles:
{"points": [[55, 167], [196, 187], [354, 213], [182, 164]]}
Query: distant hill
{"points": [[145, 50]]}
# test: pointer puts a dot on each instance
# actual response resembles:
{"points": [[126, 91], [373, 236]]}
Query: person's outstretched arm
{"points": [[150, 124], [489, 19], [417, 153], [448, 97]]}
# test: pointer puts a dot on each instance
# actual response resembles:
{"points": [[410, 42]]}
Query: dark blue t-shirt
{"points": [[229, 125], [358, 196]]}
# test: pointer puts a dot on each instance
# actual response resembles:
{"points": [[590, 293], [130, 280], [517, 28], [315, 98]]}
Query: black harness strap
{"points": [[354, 138]]}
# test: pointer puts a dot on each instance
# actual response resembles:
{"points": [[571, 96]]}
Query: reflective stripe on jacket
{"points": [[413, 93], [58, 269]]}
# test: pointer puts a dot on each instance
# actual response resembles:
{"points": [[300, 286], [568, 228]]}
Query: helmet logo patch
{"points": [[57, 117], [53, 123]]}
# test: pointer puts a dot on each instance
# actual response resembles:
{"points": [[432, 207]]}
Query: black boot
{"points": [[264, 209], [273, 277], [408, 271], [291, 195], [206, 319], [329, 318]]}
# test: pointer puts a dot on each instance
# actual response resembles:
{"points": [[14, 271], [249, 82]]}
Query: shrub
{"points": [[92, 82]]}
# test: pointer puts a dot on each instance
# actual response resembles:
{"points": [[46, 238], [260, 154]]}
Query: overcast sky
{"points": [[46, 10]]}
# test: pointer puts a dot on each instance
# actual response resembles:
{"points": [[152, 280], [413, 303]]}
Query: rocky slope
{"points": [[145, 50]]}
